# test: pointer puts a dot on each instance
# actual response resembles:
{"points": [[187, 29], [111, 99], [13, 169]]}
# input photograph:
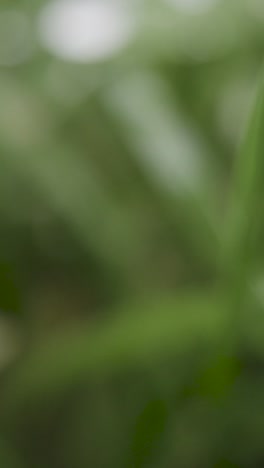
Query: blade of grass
{"points": [[244, 216], [172, 156]]}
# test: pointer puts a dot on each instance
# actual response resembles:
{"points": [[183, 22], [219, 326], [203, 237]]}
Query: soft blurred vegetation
{"points": [[131, 253]]}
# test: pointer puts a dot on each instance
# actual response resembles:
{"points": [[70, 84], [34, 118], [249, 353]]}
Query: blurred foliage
{"points": [[131, 253]]}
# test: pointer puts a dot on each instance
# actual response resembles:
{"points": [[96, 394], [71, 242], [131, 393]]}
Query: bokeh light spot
{"points": [[83, 30]]}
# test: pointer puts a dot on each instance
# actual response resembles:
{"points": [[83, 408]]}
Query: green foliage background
{"points": [[131, 253]]}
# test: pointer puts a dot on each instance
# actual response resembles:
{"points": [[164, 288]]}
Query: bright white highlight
{"points": [[85, 30]]}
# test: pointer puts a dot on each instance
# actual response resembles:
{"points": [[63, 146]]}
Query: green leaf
{"points": [[131, 339], [150, 427]]}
